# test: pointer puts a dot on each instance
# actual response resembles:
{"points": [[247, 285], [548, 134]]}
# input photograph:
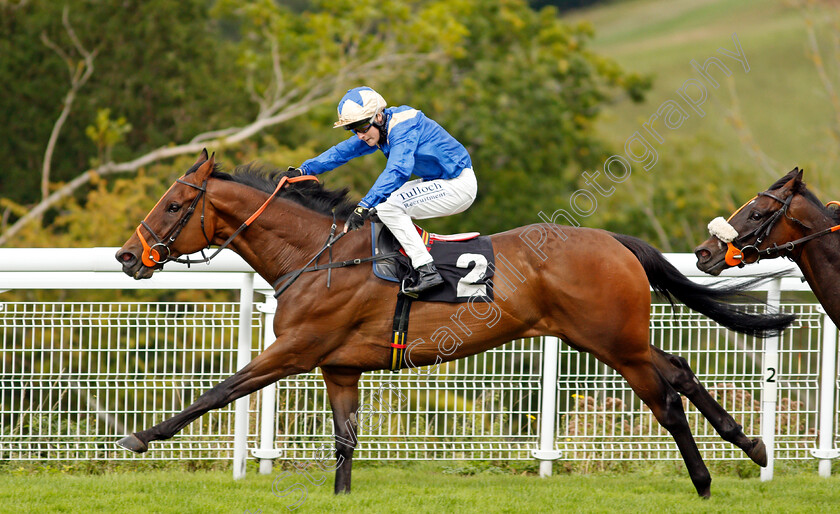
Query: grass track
{"points": [[418, 488]]}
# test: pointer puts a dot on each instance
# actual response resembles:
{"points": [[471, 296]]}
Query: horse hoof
{"points": [[133, 443], [703, 485], [758, 453]]}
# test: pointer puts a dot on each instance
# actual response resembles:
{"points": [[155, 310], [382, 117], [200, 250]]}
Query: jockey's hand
{"points": [[357, 219], [294, 172]]}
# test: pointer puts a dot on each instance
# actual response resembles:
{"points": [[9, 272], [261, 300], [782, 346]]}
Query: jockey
{"points": [[413, 144]]}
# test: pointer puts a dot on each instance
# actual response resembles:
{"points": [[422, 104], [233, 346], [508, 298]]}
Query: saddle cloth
{"points": [[465, 261]]}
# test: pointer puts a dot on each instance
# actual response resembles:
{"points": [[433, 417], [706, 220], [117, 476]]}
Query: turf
{"points": [[416, 487]]}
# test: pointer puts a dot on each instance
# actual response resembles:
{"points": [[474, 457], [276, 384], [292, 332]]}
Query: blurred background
{"points": [[104, 104]]}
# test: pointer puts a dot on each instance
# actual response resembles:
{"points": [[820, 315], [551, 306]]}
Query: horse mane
{"points": [[310, 193], [801, 189]]}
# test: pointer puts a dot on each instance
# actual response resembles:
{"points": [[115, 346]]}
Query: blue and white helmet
{"points": [[360, 104]]}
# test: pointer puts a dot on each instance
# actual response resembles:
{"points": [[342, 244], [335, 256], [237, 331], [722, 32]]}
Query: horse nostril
{"points": [[126, 257], [702, 254]]}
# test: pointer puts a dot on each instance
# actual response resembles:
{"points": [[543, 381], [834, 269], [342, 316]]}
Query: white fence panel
{"points": [[76, 376]]}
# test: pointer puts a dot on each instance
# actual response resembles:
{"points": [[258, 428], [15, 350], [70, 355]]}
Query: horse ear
{"points": [[201, 157], [204, 170], [795, 179]]}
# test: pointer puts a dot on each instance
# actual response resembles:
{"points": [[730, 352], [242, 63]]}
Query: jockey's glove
{"points": [[357, 219], [294, 172]]}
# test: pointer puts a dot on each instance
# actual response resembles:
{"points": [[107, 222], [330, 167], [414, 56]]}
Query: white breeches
{"points": [[422, 199]]}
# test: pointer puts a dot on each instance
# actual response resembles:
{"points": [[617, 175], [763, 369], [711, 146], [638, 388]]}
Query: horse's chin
{"points": [[138, 272], [143, 273], [713, 269]]}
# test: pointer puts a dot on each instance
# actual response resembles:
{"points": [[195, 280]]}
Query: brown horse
{"points": [[789, 221], [589, 287]]}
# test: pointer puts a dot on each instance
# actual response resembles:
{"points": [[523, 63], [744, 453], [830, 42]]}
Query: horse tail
{"points": [[667, 280]]}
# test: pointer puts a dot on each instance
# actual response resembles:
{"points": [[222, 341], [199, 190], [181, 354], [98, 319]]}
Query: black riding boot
{"points": [[429, 278]]}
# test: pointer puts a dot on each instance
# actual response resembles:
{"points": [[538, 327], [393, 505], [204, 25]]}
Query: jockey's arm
{"points": [[396, 173], [339, 154]]}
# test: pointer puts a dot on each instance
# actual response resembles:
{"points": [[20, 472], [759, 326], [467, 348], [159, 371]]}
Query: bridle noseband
{"points": [[152, 253]]}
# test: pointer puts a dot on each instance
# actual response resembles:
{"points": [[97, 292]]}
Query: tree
{"points": [[564, 5], [518, 87], [288, 70], [522, 94], [158, 65]]}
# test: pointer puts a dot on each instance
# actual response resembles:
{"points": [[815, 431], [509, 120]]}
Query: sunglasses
{"points": [[360, 128]]}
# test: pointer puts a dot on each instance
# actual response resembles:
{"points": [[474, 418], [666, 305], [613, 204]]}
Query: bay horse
{"points": [[591, 288], [786, 220]]}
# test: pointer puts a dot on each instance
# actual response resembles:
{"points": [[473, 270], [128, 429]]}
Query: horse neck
{"points": [[819, 260], [282, 239]]}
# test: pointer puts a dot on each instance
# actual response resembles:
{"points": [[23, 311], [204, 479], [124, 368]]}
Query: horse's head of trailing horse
{"points": [[170, 229], [772, 224]]}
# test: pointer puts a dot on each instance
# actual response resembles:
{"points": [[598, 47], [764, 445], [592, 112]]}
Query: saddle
{"points": [[465, 261]]}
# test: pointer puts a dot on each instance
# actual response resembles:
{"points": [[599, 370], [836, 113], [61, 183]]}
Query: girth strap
{"points": [[401, 315]]}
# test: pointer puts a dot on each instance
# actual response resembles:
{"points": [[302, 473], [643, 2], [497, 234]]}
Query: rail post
{"points": [[769, 387], [243, 357], [546, 453], [268, 402], [828, 373]]}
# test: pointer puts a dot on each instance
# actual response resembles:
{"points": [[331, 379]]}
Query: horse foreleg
{"points": [[268, 367], [343, 390], [678, 373]]}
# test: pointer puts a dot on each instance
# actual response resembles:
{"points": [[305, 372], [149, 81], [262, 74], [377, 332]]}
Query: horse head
{"points": [[764, 227], [170, 230]]}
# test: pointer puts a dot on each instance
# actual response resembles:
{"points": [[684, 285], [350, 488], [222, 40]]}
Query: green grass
{"points": [[782, 100], [417, 488]]}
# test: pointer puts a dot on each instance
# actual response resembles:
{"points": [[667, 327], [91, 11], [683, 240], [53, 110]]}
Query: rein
{"points": [[291, 276], [151, 255], [735, 256]]}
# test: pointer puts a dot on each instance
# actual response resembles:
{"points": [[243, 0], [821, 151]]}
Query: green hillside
{"points": [[782, 100]]}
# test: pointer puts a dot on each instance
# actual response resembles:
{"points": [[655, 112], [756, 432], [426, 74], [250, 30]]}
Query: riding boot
{"points": [[429, 278]]}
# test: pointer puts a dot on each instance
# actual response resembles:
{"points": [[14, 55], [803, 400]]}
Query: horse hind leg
{"points": [[666, 406], [679, 375], [343, 391]]}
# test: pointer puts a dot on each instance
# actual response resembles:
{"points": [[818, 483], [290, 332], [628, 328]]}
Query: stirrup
{"points": [[404, 293]]}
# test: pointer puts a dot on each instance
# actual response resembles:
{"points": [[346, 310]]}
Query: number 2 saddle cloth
{"points": [[465, 261]]}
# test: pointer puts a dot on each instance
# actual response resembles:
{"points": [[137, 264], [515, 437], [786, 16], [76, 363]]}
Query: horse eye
{"points": [[173, 207], [755, 215]]}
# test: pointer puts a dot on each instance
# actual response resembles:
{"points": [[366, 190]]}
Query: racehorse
{"points": [[590, 288], [778, 223]]}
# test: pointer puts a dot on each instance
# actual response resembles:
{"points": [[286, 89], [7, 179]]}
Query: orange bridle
{"points": [[152, 257], [733, 255]]}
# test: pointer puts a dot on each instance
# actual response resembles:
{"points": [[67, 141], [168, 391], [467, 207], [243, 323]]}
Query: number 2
{"points": [[467, 285]]}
